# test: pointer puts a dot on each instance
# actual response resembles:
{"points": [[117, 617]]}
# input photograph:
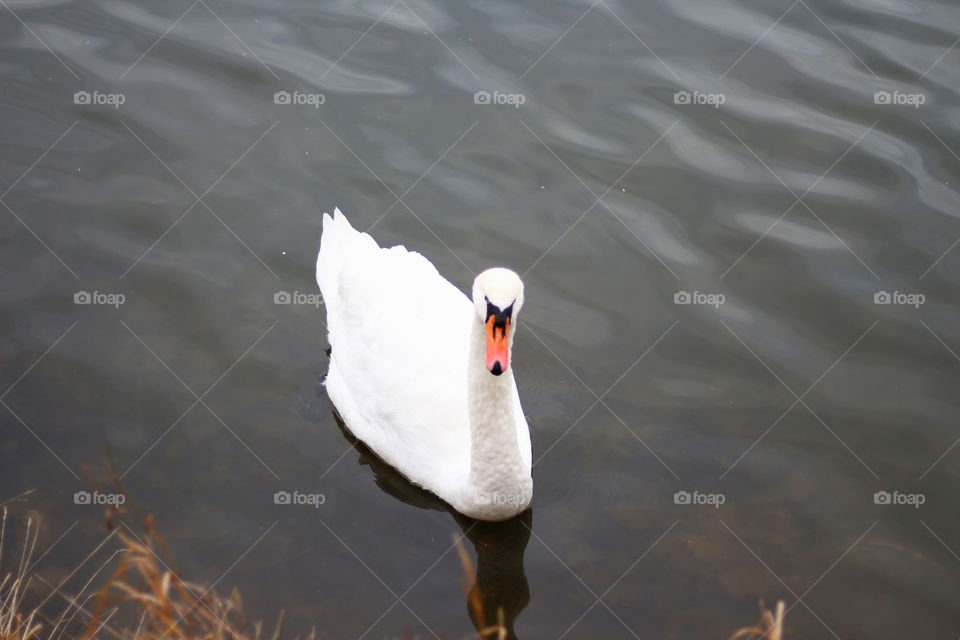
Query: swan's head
{"points": [[497, 298]]}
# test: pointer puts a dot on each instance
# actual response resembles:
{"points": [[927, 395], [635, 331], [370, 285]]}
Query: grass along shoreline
{"points": [[144, 598]]}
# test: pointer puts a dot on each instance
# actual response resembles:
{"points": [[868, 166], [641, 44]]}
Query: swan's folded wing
{"points": [[399, 335]]}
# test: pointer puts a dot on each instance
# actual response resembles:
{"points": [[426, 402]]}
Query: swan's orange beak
{"points": [[497, 349]]}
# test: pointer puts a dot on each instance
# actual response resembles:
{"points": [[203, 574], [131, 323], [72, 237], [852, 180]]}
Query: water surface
{"points": [[780, 164]]}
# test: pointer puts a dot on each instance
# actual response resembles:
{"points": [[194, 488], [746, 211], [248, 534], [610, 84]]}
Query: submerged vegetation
{"points": [[144, 598]]}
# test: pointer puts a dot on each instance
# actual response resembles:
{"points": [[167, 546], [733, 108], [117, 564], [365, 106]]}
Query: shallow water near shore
{"points": [[737, 225]]}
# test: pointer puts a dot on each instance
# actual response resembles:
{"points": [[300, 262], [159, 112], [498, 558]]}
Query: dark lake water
{"points": [[737, 222]]}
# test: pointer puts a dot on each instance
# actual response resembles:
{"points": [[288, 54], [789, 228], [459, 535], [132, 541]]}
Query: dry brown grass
{"points": [[142, 599], [14, 624], [769, 628], [145, 599], [166, 606]]}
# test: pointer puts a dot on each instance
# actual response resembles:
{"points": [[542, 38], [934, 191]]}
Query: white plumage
{"points": [[410, 370]]}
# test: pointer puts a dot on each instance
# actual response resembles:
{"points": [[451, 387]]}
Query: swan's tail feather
{"points": [[338, 243], [333, 244]]}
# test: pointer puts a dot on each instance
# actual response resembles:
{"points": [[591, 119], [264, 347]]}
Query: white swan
{"points": [[424, 377]]}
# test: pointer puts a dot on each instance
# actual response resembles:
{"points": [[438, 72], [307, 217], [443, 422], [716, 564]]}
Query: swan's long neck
{"points": [[495, 462]]}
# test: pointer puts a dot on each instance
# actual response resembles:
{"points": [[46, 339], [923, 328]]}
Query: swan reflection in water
{"points": [[501, 583]]}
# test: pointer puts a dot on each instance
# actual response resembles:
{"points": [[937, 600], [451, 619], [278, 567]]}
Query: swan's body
{"points": [[412, 375]]}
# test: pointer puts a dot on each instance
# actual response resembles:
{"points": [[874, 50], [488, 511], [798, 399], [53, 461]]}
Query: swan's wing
{"points": [[399, 337]]}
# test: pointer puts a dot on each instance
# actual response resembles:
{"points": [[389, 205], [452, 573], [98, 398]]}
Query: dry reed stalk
{"points": [[474, 601], [770, 627]]}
